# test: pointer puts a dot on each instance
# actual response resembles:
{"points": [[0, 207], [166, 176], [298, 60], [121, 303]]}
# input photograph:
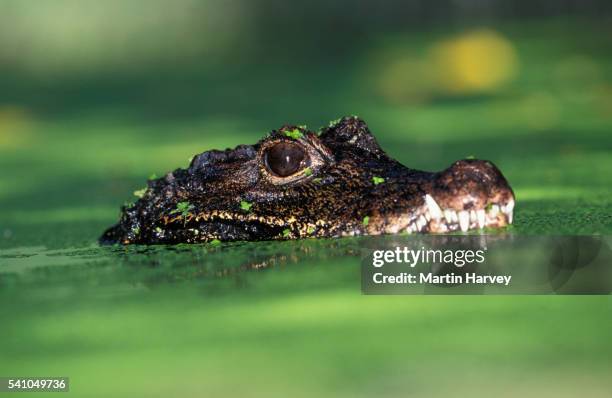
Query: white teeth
{"points": [[464, 220], [421, 222], [434, 209], [448, 214], [480, 214], [445, 220]]}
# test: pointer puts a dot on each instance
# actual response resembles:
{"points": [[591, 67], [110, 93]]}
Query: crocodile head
{"points": [[297, 184]]}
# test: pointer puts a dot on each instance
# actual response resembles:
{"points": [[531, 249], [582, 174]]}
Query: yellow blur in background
{"points": [[474, 62]]}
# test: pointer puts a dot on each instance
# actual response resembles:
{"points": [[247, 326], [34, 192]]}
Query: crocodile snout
{"points": [[470, 194], [472, 184]]}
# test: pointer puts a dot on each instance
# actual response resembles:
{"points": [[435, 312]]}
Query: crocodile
{"points": [[295, 183]]}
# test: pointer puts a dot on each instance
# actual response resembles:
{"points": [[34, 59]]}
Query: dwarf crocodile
{"points": [[295, 183]]}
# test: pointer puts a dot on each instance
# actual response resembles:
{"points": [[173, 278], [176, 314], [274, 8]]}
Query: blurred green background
{"points": [[97, 96]]}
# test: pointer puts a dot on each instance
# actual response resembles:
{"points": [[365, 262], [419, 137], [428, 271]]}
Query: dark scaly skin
{"points": [[231, 195]]}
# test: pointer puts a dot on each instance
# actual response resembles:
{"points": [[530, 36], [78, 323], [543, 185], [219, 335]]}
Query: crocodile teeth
{"points": [[420, 223], [464, 220], [510, 206], [434, 209], [508, 209], [480, 215], [433, 218]]}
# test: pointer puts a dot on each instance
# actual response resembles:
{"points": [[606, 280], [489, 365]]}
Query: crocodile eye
{"points": [[285, 159]]}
